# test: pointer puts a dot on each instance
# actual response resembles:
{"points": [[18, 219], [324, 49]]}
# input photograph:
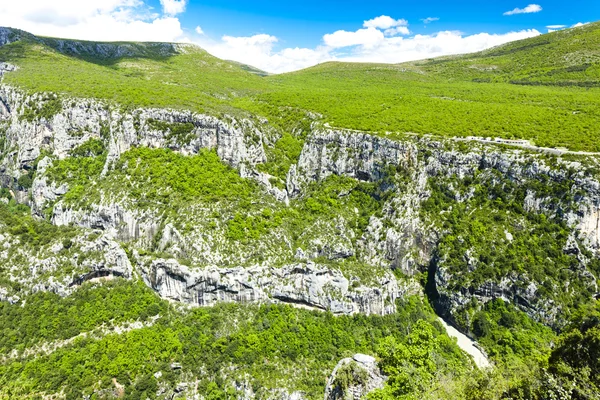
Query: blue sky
{"points": [[281, 36], [303, 23]]}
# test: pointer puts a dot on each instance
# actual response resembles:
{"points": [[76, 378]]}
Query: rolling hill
{"points": [[543, 89]]}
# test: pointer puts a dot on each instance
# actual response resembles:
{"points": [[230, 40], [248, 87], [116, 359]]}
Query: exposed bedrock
{"points": [[305, 285], [400, 237]]}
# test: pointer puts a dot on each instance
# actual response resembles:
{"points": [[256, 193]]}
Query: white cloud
{"points": [[395, 50], [263, 40], [579, 24], [556, 26], [106, 20], [429, 20], [384, 22], [363, 37], [258, 51], [199, 30], [173, 7], [399, 30], [363, 45], [532, 8]]}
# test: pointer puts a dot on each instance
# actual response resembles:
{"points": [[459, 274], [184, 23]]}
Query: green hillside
{"points": [[564, 58], [148, 74], [545, 89]]}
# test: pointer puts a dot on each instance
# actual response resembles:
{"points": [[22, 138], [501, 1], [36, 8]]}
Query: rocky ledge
{"points": [[304, 285]]}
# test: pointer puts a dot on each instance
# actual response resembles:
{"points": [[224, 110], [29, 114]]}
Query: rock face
{"points": [[399, 237], [357, 155], [236, 142], [8, 36], [354, 378], [403, 239], [124, 224], [305, 285]]}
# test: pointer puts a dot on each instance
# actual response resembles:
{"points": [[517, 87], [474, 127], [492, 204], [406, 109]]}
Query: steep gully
{"points": [[465, 343]]}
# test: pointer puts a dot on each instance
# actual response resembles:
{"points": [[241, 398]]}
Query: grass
{"points": [[545, 89]]}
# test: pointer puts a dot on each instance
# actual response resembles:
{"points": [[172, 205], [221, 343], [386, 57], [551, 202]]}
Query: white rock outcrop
{"points": [[304, 285], [363, 374]]}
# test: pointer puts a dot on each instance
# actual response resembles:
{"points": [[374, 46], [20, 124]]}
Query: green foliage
{"points": [[79, 172], [490, 236], [411, 364], [17, 218], [350, 374], [25, 181], [91, 148], [46, 316], [281, 156], [50, 106], [565, 58], [180, 132], [337, 195], [402, 98], [575, 361], [509, 334], [532, 89], [161, 175], [248, 227], [554, 100], [274, 345], [192, 79]]}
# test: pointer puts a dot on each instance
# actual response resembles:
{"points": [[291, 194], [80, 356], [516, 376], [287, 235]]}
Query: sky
{"points": [[282, 36]]}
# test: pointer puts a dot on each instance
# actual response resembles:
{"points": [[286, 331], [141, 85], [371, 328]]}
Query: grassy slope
{"points": [[564, 58], [454, 96], [193, 79]]}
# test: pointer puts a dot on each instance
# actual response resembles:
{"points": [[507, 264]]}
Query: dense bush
{"points": [[18, 221], [272, 344]]}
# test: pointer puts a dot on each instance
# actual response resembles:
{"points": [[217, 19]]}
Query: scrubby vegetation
{"points": [[544, 89], [165, 182], [490, 236], [268, 345], [16, 219]]}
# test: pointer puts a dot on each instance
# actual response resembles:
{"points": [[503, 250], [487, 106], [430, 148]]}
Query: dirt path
{"points": [[525, 144], [467, 345]]}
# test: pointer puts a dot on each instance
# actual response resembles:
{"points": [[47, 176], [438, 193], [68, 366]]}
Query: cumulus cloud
{"points": [[384, 22], [199, 30], [173, 7], [258, 51], [363, 45], [429, 20], [107, 20], [364, 37], [579, 24], [395, 50], [399, 30], [532, 8]]}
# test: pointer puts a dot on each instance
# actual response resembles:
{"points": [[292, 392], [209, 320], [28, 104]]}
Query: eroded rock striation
{"points": [[308, 285]]}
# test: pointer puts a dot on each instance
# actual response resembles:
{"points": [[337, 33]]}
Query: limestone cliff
{"points": [[400, 237]]}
